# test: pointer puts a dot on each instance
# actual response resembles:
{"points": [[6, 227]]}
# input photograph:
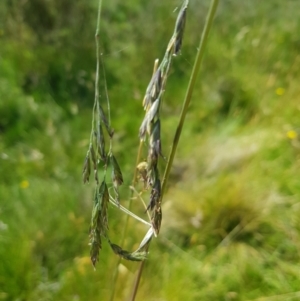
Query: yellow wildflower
{"points": [[71, 216], [24, 184], [280, 91], [292, 134], [82, 263], [76, 220]]}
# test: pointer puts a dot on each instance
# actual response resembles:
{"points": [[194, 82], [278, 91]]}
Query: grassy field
{"points": [[231, 214]]}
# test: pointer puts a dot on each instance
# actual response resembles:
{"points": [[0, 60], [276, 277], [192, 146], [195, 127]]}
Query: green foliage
{"points": [[230, 226]]}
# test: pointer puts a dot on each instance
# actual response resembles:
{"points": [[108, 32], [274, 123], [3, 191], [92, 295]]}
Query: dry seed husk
{"points": [[153, 110], [142, 171], [157, 217], [153, 90], [150, 115], [171, 45], [143, 129]]}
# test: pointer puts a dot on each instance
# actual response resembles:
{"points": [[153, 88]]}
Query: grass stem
{"points": [[134, 179]]}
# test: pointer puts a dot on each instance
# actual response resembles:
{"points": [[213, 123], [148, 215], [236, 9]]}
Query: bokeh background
{"points": [[231, 215]]}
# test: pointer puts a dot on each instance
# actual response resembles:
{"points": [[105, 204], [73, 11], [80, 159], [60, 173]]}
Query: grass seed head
{"points": [[157, 218], [99, 221], [95, 163], [96, 245], [153, 90], [101, 143], [155, 194], [104, 200], [95, 216], [104, 119], [154, 144], [86, 169], [117, 176], [132, 256], [150, 115], [179, 29]]}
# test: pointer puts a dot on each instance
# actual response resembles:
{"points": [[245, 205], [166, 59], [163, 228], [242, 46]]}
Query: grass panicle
{"points": [[150, 132], [150, 129], [102, 158], [99, 221], [157, 212]]}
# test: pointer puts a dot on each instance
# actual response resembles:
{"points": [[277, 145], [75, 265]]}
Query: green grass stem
{"points": [[125, 229]]}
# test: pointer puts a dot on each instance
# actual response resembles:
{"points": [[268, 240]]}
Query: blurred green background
{"points": [[231, 215]]}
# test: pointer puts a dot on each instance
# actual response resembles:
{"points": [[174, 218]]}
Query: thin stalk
{"points": [[129, 213], [96, 104], [142, 201], [108, 104], [187, 100], [96, 107], [96, 100], [134, 179], [138, 278]]}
